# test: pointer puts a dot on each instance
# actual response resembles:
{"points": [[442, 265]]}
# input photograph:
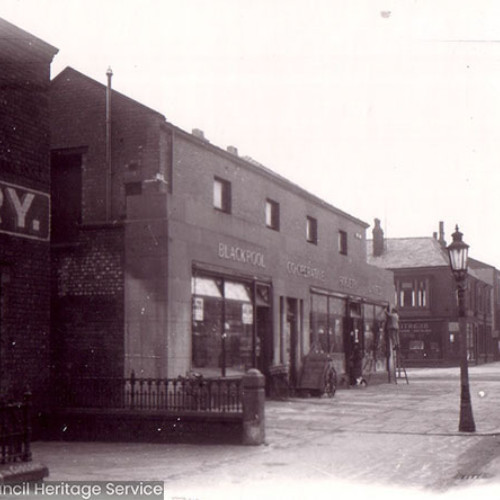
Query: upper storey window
{"points": [[222, 195], [342, 242], [312, 230], [412, 293], [272, 215]]}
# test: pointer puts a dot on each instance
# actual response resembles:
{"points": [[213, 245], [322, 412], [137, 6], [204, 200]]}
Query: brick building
{"points": [[172, 254], [24, 213], [427, 301]]}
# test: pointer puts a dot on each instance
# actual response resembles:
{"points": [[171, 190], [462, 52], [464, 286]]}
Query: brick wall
{"points": [[24, 127], [24, 337], [88, 305], [108, 298], [24, 262], [79, 120]]}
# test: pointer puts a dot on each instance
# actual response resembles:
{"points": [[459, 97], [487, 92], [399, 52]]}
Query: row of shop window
{"points": [[331, 317], [232, 329], [232, 326]]}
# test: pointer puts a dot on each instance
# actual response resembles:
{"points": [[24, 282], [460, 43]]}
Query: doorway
{"points": [[291, 338], [264, 341], [354, 343]]}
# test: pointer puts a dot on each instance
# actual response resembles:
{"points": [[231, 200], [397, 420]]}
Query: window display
{"points": [[327, 322], [222, 329]]}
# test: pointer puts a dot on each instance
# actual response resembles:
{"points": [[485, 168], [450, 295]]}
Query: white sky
{"points": [[383, 108]]}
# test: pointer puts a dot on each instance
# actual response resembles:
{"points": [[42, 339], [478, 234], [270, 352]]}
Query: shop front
{"points": [[352, 332], [231, 324], [437, 342], [240, 320], [423, 341]]}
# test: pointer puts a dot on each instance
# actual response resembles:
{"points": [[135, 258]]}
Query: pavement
{"points": [[378, 441]]}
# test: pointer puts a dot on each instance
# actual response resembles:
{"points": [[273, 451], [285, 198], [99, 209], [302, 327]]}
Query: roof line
{"points": [[45, 46], [259, 167], [409, 238], [252, 165], [103, 86]]}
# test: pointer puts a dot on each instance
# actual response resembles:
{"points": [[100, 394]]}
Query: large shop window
{"points": [[327, 322], [374, 339], [222, 325]]}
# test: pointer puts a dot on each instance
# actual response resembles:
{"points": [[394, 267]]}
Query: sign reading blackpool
{"points": [[24, 212]]}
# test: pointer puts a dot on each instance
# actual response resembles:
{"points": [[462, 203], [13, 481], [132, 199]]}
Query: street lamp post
{"points": [[458, 254]]}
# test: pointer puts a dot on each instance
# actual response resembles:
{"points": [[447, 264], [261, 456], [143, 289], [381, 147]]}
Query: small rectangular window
{"points": [[222, 195], [312, 230], [272, 215], [343, 242]]}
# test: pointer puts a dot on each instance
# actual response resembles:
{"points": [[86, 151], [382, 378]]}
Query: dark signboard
{"points": [[421, 327], [24, 212], [313, 371]]}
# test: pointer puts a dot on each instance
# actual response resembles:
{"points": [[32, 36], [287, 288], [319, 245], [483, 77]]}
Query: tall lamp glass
{"points": [[458, 254]]}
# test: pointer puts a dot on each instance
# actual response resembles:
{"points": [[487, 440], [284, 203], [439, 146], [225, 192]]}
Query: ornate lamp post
{"points": [[458, 253]]}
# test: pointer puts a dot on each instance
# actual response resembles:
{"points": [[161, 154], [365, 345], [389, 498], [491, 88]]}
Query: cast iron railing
{"points": [[15, 431], [179, 394]]}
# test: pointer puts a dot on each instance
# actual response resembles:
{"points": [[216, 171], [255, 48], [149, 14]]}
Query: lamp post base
{"points": [[466, 418]]}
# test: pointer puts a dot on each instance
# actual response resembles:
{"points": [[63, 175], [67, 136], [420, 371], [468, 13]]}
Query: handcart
{"points": [[318, 376]]}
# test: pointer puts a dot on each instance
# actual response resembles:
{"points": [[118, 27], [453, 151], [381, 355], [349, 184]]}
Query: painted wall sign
{"points": [[24, 212], [375, 290], [346, 282], [242, 255], [305, 271], [415, 326]]}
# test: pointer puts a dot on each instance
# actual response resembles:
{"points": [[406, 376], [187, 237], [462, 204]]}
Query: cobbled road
{"points": [[382, 440]]}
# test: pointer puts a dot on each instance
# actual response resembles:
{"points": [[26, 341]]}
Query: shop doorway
{"points": [[264, 340], [354, 343], [292, 338]]}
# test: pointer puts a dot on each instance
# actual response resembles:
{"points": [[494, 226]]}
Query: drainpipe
{"points": [[109, 74]]}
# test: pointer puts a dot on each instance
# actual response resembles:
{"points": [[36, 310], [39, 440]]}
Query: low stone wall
{"points": [[244, 426], [143, 426]]}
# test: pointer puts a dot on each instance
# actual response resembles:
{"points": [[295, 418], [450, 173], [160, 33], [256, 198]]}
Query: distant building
{"points": [[24, 214], [172, 255], [427, 301]]}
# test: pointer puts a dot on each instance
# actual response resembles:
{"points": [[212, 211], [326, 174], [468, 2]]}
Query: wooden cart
{"points": [[318, 376]]}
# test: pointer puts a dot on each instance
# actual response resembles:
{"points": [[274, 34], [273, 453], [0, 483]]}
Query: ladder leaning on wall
{"points": [[400, 369]]}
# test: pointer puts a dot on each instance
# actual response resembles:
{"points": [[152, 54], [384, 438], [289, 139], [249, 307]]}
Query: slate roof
{"points": [[402, 253], [414, 253]]}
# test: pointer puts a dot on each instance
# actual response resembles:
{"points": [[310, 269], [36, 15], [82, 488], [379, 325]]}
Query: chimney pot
{"points": [[378, 239], [441, 234], [233, 150], [198, 133]]}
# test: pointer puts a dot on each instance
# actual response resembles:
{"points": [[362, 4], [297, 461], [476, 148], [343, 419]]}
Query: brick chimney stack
{"points": [[441, 234], [378, 239]]}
